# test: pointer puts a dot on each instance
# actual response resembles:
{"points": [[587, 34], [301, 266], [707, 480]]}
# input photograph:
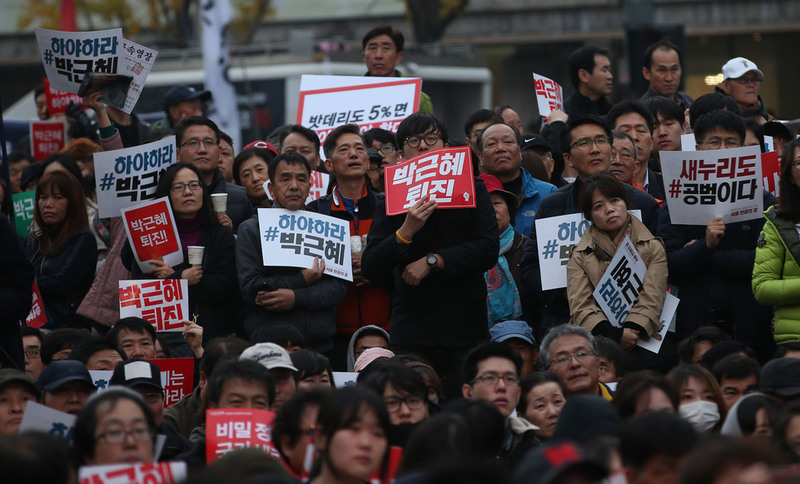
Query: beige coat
{"points": [[588, 263]]}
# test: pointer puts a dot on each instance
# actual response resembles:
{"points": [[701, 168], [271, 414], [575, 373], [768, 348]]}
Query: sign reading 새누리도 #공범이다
{"points": [[549, 95], [701, 185], [152, 233], [164, 303]]}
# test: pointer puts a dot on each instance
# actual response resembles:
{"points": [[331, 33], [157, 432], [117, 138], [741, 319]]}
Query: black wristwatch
{"points": [[433, 261]]}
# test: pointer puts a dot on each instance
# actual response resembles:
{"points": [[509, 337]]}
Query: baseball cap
{"points": [[739, 66], [135, 372], [12, 375], [776, 129], [781, 377], [511, 329], [493, 185], [270, 355], [534, 141], [58, 373], [179, 94], [266, 145]]}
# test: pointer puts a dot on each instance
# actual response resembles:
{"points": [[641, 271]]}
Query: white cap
{"points": [[739, 66], [270, 355]]}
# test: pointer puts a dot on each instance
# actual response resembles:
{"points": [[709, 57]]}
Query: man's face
{"points": [[14, 398], [527, 352], [608, 370], [193, 107], [41, 107], [501, 155], [15, 173], [154, 398], [624, 166], [369, 341], [664, 73], [744, 89], [472, 140], [380, 56], [599, 83], [579, 374], [421, 140], [290, 187], [226, 160], [636, 126], [349, 160], [667, 134], [296, 142], [285, 386], [33, 356], [503, 395], [733, 389], [206, 155], [389, 154], [69, 397], [106, 359], [124, 417], [241, 393], [137, 345], [511, 118], [593, 157], [404, 413], [719, 139]]}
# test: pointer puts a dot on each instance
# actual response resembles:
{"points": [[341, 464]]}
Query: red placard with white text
{"points": [[177, 378], [164, 303], [150, 473], [443, 175], [770, 173], [395, 454], [47, 138], [229, 429], [36, 317], [152, 233], [58, 101]]}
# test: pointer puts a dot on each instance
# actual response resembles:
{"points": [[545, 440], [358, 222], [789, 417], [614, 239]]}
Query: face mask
{"points": [[702, 414]]}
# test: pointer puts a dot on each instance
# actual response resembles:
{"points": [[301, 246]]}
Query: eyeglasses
{"points": [[579, 357], [142, 434], [386, 149], [413, 402], [796, 164], [749, 80], [624, 155], [181, 187], [494, 378], [195, 143], [582, 143], [33, 354], [716, 143], [430, 140]]}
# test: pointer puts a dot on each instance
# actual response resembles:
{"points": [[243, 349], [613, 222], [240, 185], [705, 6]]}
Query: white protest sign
{"points": [[150, 473], [69, 56], [124, 177], [344, 378], [39, 418], [688, 142], [769, 144], [619, 288], [295, 238], [701, 185], [164, 303], [101, 379], [137, 62], [319, 186], [549, 95], [667, 313]]}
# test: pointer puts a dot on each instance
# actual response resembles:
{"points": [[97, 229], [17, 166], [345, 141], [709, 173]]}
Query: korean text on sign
{"points": [[40, 418], [619, 288], [69, 56], [36, 316], [149, 473], [177, 378], [230, 429], [701, 185], [137, 60], [548, 95], [442, 175], [124, 177], [152, 233], [23, 211], [47, 138], [164, 303], [295, 238], [58, 101], [556, 237], [319, 186]]}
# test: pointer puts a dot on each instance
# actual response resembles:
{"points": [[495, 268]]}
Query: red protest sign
{"points": [[57, 100], [177, 377], [228, 429], [770, 172], [395, 454], [36, 317], [443, 175], [152, 232], [162, 302], [150, 473], [47, 138]]}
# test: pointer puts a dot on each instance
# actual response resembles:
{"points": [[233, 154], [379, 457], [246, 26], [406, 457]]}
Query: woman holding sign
{"points": [[213, 288], [604, 202]]}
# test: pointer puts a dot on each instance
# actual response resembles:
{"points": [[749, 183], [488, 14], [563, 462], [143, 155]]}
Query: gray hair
{"points": [[617, 134], [564, 330]]}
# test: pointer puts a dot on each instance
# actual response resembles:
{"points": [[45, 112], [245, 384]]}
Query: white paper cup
{"points": [[195, 254], [219, 201], [355, 245]]}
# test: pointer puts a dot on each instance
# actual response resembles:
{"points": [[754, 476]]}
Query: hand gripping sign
{"points": [[236, 428], [152, 233]]}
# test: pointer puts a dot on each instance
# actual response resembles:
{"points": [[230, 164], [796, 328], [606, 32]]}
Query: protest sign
{"points": [[555, 239], [164, 303], [771, 173], [701, 185], [152, 233], [36, 316], [319, 186], [40, 418], [769, 144], [344, 378], [370, 102], [129, 175], [57, 100], [47, 138], [548, 95], [137, 62], [177, 378], [141, 472], [688, 142], [69, 56], [101, 379], [442, 175], [23, 211], [236, 428], [295, 238], [388, 475], [667, 313], [619, 288]]}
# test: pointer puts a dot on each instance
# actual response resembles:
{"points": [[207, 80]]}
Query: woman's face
{"points": [[545, 402], [186, 194], [501, 211], [253, 172], [795, 171], [122, 435], [654, 400], [321, 381], [355, 452], [608, 214], [53, 206], [696, 389], [763, 426]]}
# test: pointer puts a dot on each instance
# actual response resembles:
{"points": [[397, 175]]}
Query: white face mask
{"points": [[702, 414]]}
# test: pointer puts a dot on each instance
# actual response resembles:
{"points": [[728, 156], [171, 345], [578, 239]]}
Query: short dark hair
{"points": [[333, 137], [207, 217], [306, 133], [566, 134], [607, 184], [86, 348], [38, 90], [290, 158], [380, 135], [666, 107], [246, 369], [223, 136], [532, 381], [419, 123], [392, 371], [482, 352], [287, 421], [479, 141], [396, 36], [628, 107], [279, 332], [220, 349], [750, 124], [736, 367], [712, 101], [719, 119], [481, 116], [35, 457], [60, 339], [17, 156], [132, 324], [789, 204], [652, 434], [31, 331], [712, 334], [637, 384], [583, 58], [185, 123], [615, 353], [245, 155], [663, 45], [310, 363], [749, 405]]}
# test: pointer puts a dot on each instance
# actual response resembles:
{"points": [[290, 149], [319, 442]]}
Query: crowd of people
{"points": [[464, 362]]}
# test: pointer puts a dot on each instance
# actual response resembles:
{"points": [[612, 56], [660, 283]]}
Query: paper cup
{"points": [[195, 254], [355, 245], [219, 201]]}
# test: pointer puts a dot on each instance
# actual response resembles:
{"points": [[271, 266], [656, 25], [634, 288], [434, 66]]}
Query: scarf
{"points": [[189, 231], [502, 296]]}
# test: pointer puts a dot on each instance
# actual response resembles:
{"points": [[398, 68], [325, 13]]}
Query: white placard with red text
{"points": [[549, 95], [47, 138], [69, 56], [370, 102], [443, 175], [149, 473], [152, 233], [293, 238], [619, 287], [229, 429], [40, 418], [701, 185], [164, 303], [319, 185], [177, 378]]}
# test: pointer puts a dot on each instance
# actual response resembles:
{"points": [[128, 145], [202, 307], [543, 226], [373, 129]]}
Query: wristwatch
{"points": [[432, 260]]}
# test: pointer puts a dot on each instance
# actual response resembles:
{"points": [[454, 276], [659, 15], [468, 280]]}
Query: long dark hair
{"points": [[207, 217], [789, 205], [76, 218]]}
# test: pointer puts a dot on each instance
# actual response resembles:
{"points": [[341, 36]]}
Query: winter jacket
{"points": [[533, 192]]}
